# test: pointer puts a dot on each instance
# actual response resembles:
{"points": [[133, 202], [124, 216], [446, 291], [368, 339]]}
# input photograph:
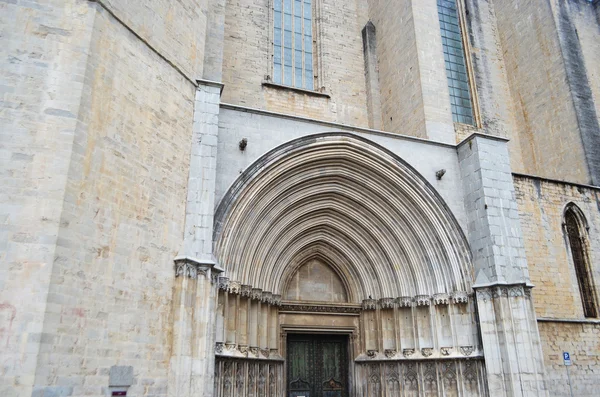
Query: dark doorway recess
{"points": [[317, 365]]}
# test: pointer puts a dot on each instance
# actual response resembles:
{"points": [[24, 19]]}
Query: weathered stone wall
{"points": [[581, 341], [556, 293], [546, 118], [541, 209], [491, 82], [43, 62], [122, 220], [94, 158], [176, 29], [340, 62]]}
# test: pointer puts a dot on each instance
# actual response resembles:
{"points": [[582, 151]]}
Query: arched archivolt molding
{"points": [[378, 223]]}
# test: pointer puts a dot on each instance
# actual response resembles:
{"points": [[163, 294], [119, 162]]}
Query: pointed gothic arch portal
{"points": [[388, 262]]}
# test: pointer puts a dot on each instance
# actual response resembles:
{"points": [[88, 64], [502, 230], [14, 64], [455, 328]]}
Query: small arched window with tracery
{"points": [[576, 235]]}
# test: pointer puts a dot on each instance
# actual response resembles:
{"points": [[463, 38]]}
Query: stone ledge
{"points": [[567, 320], [295, 89]]}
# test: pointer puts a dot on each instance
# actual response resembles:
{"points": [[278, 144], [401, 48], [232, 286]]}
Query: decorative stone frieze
{"points": [[223, 283], [408, 352], [404, 301], [190, 269], [427, 351], [246, 291], [386, 303], [256, 294], [422, 300], [459, 297], [441, 299], [369, 304], [235, 287], [319, 308]]}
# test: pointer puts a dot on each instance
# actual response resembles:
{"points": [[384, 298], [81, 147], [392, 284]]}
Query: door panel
{"points": [[317, 366]]}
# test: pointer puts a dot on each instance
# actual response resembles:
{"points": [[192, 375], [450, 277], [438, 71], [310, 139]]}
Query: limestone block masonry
{"points": [[511, 341]]}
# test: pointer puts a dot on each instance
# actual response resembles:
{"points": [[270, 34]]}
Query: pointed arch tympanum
{"points": [[342, 198]]}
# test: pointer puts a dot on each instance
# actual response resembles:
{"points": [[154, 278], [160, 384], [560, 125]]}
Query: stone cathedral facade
{"points": [[317, 198]]}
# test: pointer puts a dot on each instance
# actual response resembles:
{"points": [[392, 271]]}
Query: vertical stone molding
{"points": [[372, 76], [191, 370], [194, 298], [509, 332]]}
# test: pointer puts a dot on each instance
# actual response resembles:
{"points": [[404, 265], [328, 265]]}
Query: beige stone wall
{"points": [[43, 60], [340, 68], [541, 206], [582, 342], [176, 29], [556, 293], [546, 120], [96, 130], [122, 220]]}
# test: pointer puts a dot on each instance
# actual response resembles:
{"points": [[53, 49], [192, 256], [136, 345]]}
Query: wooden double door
{"points": [[317, 365]]}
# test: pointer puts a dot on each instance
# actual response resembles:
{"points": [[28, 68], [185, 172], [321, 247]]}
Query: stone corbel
{"points": [[266, 297], [276, 300]]}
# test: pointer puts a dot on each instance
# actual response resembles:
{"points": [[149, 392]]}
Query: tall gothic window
{"points": [[293, 43], [576, 236], [454, 56]]}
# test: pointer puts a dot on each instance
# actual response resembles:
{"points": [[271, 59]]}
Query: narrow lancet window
{"points": [[293, 43], [577, 244], [456, 69]]}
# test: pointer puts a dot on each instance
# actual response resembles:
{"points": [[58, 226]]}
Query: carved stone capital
{"points": [[404, 301], [243, 349], [276, 300], [422, 300], [369, 304], [427, 351], [386, 303], [223, 283], [467, 350], [219, 347], [372, 353], [389, 353], [408, 352], [441, 299], [266, 297], [235, 287], [246, 291], [460, 297], [256, 294], [254, 350], [446, 351], [192, 268]]}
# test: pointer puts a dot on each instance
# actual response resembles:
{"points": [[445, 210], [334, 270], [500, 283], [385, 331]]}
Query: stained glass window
{"points": [[293, 43], [454, 56]]}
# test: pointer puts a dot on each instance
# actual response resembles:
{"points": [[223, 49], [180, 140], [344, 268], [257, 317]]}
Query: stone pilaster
{"points": [[509, 332], [192, 362]]}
